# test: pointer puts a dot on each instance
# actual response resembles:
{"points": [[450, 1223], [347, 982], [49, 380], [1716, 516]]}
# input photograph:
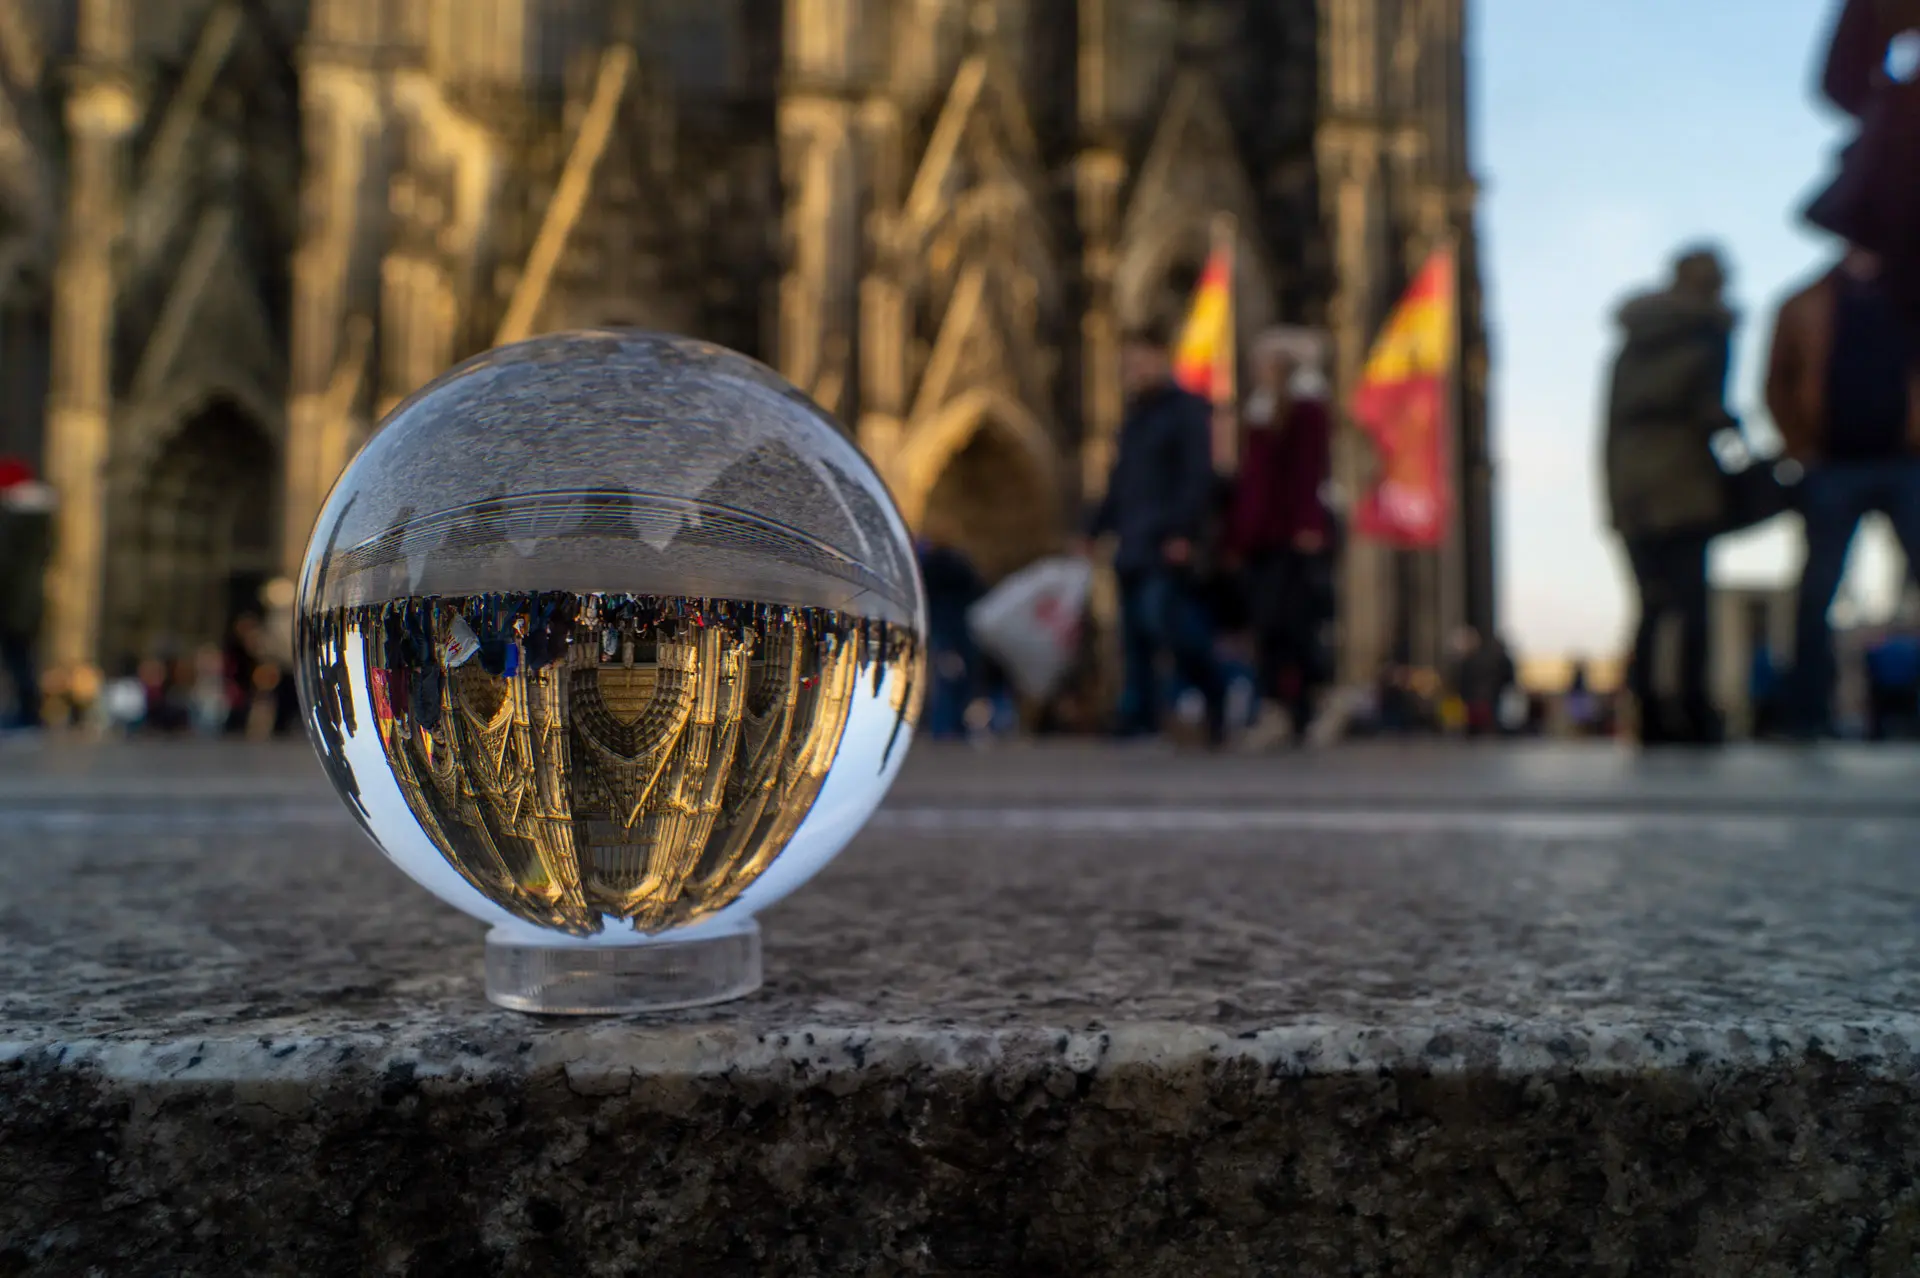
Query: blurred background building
{"points": [[236, 232]]}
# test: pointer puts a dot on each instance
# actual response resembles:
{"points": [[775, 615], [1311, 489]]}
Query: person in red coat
{"points": [[1280, 533], [1874, 203]]}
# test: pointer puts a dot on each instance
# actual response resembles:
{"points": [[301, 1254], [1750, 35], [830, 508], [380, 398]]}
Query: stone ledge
{"points": [[610, 1055], [239, 1043], [1140, 1149]]}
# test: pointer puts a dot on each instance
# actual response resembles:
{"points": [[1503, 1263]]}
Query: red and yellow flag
{"points": [[1402, 403], [1203, 357]]}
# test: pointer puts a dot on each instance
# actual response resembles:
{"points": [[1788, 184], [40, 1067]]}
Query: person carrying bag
{"points": [[1668, 494]]}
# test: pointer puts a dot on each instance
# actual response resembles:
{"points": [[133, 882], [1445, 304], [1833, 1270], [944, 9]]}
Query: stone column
{"points": [[823, 131], [102, 110], [1479, 587], [1100, 173], [335, 285], [1349, 150], [1350, 178]]}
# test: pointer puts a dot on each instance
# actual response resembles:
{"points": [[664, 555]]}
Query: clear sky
{"points": [[1608, 134]]}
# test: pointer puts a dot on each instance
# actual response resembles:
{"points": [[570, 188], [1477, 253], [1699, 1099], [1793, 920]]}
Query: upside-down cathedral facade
{"points": [[237, 231]]}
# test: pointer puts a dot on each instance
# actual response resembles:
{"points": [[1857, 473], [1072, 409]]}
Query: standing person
{"points": [[1875, 201], [1667, 493], [1157, 505], [953, 587], [1582, 709], [1280, 532], [1484, 676], [26, 541], [238, 662], [1843, 385]]}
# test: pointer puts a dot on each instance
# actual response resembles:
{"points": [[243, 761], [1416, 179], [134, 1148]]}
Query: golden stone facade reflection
{"points": [[648, 773]]}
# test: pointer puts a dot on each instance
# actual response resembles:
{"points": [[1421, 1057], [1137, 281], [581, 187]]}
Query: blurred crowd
{"points": [[1226, 583], [240, 687]]}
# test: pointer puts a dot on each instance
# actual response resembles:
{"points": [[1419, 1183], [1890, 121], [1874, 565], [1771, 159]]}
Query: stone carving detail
{"points": [[964, 302], [1191, 173]]}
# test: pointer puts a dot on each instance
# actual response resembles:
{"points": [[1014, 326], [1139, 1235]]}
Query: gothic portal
{"points": [[236, 233]]}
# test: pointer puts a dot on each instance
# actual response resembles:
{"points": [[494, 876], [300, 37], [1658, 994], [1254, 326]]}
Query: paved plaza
{"points": [[1541, 1010]]}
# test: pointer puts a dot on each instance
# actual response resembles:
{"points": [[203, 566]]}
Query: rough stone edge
{"points": [[606, 1057]]}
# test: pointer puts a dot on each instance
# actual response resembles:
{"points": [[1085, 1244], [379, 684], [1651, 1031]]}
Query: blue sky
{"points": [[1608, 134]]}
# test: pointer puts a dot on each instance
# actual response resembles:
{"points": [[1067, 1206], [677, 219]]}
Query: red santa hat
{"points": [[15, 471]]}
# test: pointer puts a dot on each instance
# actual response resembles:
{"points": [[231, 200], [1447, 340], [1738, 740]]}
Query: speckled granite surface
{"points": [[1012, 1036]]}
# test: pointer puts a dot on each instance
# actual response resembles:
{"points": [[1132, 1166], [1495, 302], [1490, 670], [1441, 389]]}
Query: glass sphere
{"points": [[611, 639]]}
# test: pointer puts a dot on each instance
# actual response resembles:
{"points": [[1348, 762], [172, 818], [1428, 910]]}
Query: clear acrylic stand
{"points": [[529, 973]]}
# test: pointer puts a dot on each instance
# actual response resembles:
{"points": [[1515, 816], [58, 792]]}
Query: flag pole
{"points": [[1226, 436], [1453, 604]]}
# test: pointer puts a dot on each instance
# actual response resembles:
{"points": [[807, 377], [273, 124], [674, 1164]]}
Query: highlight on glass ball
{"points": [[611, 640]]}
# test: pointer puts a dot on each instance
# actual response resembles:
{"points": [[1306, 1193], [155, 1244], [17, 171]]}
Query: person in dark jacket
{"points": [[1875, 201], [1667, 493], [1156, 505], [26, 540], [1280, 532], [1843, 386]]}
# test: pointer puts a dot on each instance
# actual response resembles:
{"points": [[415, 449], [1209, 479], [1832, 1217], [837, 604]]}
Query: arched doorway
{"points": [[990, 502], [200, 535]]}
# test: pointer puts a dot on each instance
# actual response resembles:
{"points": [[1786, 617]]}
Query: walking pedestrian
{"points": [[1280, 532], [1667, 493], [1156, 506], [953, 586], [1843, 385]]}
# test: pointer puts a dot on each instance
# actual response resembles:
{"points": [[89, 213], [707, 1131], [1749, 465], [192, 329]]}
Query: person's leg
{"points": [[1140, 649], [287, 704], [1831, 509], [1694, 608], [1266, 606], [946, 700], [1879, 711], [1644, 555], [1188, 634], [1901, 505], [16, 658], [1300, 633]]}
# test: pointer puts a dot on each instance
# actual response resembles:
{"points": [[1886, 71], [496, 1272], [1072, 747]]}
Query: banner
{"points": [[1404, 404], [1203, 357]]}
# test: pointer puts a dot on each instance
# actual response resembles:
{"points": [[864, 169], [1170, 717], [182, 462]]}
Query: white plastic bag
{"points": [[1030, 622]]}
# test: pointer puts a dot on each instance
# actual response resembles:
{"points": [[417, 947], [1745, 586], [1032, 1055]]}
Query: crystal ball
{"points": [[611, 639]]}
